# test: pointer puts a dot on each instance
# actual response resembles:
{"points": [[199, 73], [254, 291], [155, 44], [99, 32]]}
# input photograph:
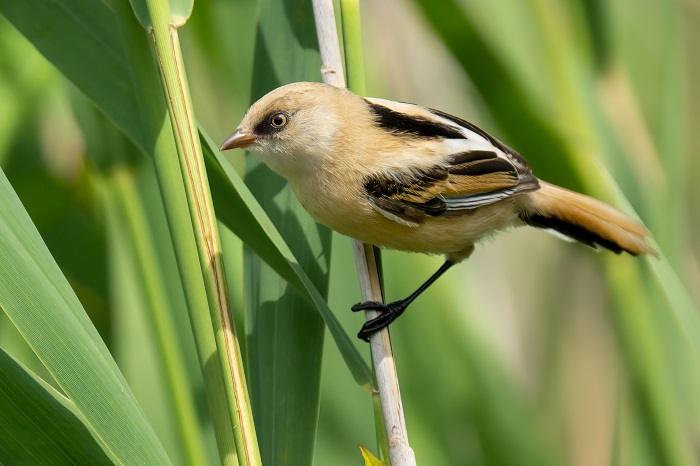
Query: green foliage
{"points": [[40, 424], [533, 352], [38, 300]]}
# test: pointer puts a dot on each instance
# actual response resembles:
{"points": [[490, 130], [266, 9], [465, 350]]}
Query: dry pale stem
{"points": [[400, 453]]}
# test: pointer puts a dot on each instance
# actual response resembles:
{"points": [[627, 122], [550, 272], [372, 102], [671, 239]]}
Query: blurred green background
{"points": [[535, 351]]}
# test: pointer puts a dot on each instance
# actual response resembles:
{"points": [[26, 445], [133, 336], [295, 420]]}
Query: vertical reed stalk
{"points": [[224, 366], [400, 453]]}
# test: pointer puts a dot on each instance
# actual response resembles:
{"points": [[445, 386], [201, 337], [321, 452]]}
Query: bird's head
{"points": [[296, 127]]}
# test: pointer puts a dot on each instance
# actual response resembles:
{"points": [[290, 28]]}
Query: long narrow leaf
{"points": [[195, 232], [38, 425], [101, 71], [39, 301]]}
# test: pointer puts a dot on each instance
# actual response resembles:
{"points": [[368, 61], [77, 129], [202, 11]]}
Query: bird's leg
{"points": [[390, 311]]}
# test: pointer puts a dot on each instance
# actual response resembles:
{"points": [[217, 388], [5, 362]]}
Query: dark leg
{"points": [[390, 311]]}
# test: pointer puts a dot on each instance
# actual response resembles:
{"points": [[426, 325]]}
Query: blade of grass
{"points": [[101, 71], [38, 300], [39, 425], [352, 46], [190, 166], [141, 77]]}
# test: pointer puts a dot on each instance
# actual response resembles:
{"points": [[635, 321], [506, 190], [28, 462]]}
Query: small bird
{"points": [[407, 177]]}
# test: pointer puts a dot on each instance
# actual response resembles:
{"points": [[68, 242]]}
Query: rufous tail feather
{"points": [[585, 219]]}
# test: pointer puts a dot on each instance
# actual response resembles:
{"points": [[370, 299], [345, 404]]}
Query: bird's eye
{"points": [[278, 120]]}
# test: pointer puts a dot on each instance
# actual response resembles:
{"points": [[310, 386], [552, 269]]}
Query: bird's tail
{"points": [[585, 219]]}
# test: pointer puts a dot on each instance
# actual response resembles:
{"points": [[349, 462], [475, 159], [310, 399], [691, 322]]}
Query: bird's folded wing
{"points": [[460, 183]]}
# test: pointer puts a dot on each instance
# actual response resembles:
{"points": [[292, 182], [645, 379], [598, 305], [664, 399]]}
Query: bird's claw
{"points": [[389, 313]]}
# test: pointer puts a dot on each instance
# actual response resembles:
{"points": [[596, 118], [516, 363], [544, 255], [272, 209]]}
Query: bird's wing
{"points": [[484, 172]]}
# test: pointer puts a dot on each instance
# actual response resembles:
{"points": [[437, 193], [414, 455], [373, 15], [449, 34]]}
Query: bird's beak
{"points": [[236, 140]]}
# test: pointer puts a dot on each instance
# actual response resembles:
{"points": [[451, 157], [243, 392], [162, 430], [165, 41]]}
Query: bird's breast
{"points": [[339, 205]]}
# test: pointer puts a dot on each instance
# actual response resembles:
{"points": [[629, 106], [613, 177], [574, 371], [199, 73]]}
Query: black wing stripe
{"points": [[469, 126], [390, 186], [495, 142], [400, 123]]}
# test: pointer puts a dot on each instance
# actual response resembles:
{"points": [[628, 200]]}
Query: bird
{"points": [[402, 176]]}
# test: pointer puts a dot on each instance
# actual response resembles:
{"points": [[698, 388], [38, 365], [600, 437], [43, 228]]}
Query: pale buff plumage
{"points": [[332, 142]]}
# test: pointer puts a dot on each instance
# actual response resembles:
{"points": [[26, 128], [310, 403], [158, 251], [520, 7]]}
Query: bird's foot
{"points": [[389, 313]]}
